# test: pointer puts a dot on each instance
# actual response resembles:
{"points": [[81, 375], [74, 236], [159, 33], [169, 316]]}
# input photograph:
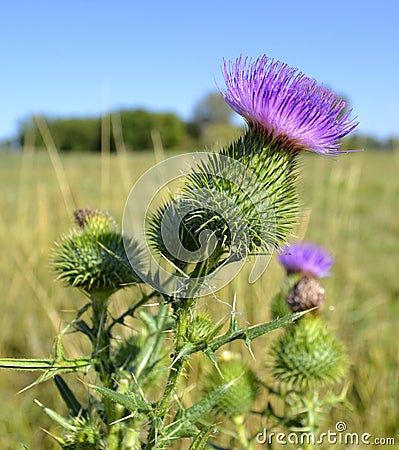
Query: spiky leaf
{"points": [[190, 416], [68, 396], [128, 400]]}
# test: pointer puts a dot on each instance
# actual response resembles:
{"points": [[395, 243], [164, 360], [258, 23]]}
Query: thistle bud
{"points": [[201, 329], [241, 395], [307, 262], [83, 436], [308, 355], [94, 219], [93, 257]]}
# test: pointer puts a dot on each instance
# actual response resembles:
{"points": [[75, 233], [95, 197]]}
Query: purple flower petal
{"points": [[307, 258], [286, 104]]}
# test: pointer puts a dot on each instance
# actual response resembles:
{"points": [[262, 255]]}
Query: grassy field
{"points": [[350, 207]]}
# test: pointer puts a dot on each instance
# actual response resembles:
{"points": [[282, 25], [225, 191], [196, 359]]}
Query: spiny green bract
{"points": [[275, 165], [308, 355], [278, 304], [240, 397], [201, 329], [85, 436], [93, 257], [245, 196]]}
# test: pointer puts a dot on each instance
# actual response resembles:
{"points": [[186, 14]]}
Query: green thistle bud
{"points": [[279, 307], [201, 329], [308, 355], [306, 294], [240, 397], [237, 202], [94, 219], [84, 436], [93, 257]]}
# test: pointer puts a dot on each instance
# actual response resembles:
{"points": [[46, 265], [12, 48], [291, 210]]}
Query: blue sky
{"points": [[86, 56]]}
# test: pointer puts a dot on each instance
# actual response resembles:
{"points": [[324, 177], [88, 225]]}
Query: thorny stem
{"points": [[130, 311], [101, 336], [183, 311], [102, 354]]}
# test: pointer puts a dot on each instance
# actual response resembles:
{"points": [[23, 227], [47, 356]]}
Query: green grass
{"points": [[350, 206]]}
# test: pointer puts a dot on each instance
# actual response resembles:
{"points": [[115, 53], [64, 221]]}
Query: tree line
{"points": [[133, 128], [211, 121]]}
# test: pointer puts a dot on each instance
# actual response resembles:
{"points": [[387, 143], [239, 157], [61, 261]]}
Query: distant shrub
{"points": [[84, 134]]}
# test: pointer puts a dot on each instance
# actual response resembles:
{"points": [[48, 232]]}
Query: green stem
{"points": [[241, 431], [101, 337], [183, 311], [311, 416], [130, 311], [104, 366]]}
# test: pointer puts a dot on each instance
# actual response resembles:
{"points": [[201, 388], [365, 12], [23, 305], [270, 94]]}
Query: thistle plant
{"points": [[307, 358], [238, 202]]}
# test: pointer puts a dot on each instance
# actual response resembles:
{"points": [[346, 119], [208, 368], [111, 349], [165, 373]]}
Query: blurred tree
{"points": [[78, 134], [211, 121], [212, 109], [171, 128], [84, 134], [393, 143], [138, 124]]}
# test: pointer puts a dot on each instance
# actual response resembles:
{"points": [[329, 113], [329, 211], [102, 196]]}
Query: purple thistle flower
{"points": [[286, 104], [306, 258]]}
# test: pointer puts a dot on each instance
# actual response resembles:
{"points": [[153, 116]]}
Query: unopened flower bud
{"points": [[308, 355], [93, 257], [241, 395]]}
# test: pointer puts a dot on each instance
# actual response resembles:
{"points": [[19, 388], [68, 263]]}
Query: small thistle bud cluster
{"points": [[92, 257], [241, 395]]}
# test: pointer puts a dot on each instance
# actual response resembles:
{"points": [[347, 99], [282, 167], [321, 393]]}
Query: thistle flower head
{"points": [[306, 258], [245, 197], [286, 105]]}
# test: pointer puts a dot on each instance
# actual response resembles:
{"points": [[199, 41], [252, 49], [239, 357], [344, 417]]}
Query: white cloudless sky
{"points": [[82, 57]]}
